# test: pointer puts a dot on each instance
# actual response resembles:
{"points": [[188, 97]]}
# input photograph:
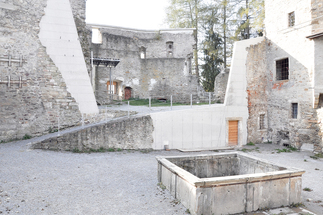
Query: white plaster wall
{"points": [[206, 127], [58, 34]]}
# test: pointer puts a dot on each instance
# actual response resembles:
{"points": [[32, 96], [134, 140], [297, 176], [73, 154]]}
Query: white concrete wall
{"points": [[58, 34], [206, 127]]}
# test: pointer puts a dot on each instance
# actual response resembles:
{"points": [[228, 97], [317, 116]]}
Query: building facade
{"points": [[284, 76], [154, 64]]}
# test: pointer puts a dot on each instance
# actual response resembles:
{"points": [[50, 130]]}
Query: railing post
{"points": [[209, 98], [171, 102], [58, 123], [128, 108], [149, 102], [191, 100], [106, 113]]}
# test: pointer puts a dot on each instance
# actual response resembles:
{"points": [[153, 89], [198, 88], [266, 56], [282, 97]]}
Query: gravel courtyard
{"points": [[49, 182]]}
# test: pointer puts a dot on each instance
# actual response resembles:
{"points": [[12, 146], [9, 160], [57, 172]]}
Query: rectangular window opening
{"points": [[262, 121], [291, 19], [294, 110], [282, 69]]}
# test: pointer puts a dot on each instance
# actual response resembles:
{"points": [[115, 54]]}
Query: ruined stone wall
{"points": [[257, 89], [126, 133], [290, 42], [220, 86], [317, 16], [84, 32], [157, 75], [34, 107]]}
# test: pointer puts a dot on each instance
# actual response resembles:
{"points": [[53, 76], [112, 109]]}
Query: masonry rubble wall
{"points": [[124, 133], [279, 95], [317, 16], [157, 74], [83, 31], [257, 89], [43, 100], [220, 85]]}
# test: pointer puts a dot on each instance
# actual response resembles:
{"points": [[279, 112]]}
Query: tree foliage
{"points": [[212, 46], [218, 23]]}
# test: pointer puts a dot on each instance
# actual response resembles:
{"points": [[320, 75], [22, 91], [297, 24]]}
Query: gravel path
{"points": [[48, 182]]}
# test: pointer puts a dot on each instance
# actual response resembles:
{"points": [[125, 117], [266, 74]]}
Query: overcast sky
{"points": [[141, 14]]}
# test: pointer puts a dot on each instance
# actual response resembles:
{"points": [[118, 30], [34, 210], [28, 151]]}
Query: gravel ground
{"points": [[49, 182]]}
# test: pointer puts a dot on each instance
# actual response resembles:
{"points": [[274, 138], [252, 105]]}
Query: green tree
{"points": [[186, 14], [250, 17], [226, 25], [212, 47]]}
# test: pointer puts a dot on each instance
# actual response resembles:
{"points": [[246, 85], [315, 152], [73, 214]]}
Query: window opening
{"points": [[320, 104], [262, 121], [143, 53], [291, 19], [282, 69], [169, 48], [294, 110], [96, 36]]}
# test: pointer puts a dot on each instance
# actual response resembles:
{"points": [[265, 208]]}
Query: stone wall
{"points": [[278, 95], [34, 107], [317, 19], [257, 90], [158, 74], [220, 85], [126, 133], [84, 32]]}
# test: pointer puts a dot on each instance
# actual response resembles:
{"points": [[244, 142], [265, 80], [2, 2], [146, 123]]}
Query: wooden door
{"points": [[127, 93], [233, 133]]}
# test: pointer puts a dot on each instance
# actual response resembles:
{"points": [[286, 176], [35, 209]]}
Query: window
{"points": [[291, 19], [262, 121], [96, 36], [282, 70], [169, 48], [294, 110], [142, 52]]}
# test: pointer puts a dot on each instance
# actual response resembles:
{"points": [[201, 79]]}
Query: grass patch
{"points": [[163, 187], [307, 189], [26, 137], [52, 130], [246, 150], [250, 144], [100, 150], [145, 151], [296, 205], [294, 149], [319, 155], [283, 150], [160, 103], [314, 157]]}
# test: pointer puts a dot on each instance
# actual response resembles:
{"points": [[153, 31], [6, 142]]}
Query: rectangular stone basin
{"points": [[229, 183]]}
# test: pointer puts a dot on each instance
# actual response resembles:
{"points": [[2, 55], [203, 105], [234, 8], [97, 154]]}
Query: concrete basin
{"points": [[229, 183]]}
